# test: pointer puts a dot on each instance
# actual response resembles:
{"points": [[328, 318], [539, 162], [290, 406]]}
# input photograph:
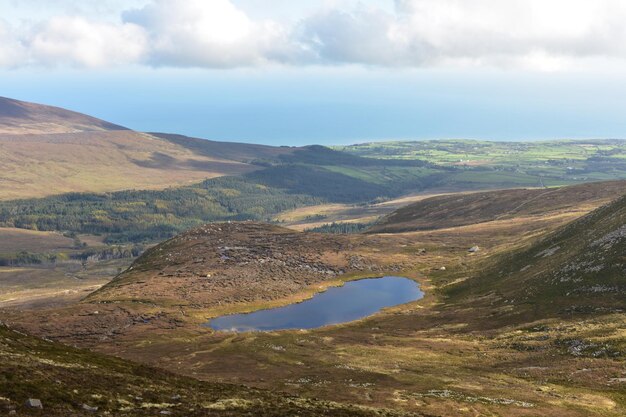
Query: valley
{"points": [[105, 291]]}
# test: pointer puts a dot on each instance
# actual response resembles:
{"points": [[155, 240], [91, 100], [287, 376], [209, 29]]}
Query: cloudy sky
{"points": [[326, 71]]}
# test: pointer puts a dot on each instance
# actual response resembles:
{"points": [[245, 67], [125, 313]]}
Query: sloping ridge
{"points": [[242, 152], [580, 268], [465, 209], [20, 117]]}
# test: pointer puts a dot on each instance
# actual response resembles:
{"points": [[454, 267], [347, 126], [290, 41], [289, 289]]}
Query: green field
{"points": [[555, 162]]}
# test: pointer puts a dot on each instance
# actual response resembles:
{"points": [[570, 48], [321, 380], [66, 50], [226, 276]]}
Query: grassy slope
{"points": [[464, 209], [65, 379], [12, 240], [580, 268]]}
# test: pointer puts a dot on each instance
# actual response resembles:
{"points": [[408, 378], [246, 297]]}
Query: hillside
{"points": [[579, 269], [48, 151], [234, 264], [41, 165], [241, 152], [74, 382], [461, 209], [20, 117]]}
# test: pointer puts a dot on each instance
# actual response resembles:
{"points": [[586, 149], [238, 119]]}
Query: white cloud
{"points": [[479, 32], [79, 42], [208, 33], [535, 34], [12, 52]]}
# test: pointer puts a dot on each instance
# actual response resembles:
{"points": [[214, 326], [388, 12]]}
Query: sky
{"points": [[325, 71]]}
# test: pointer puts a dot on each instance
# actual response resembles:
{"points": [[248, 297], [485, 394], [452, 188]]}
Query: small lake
{"points": [[352, 301]]}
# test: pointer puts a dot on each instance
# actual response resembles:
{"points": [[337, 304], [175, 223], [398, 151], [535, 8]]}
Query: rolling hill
{"points": [[43, 165], [510, 330], [47, 150], [20, 117]]}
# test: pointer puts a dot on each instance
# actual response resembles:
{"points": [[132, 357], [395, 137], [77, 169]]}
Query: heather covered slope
{"points": [[19, 117], [578, 269], [43, 165], [460, 209], [75, 382]]}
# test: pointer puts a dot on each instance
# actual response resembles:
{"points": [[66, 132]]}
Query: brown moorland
{"points": [[42, 165], [460, 209], [20, 117], [467, 347]]}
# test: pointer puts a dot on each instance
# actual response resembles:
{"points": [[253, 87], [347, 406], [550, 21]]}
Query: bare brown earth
{"points": [[429, 356]]}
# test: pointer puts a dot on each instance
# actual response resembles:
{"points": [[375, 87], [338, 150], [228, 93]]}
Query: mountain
{"points": [[499, 332], [47, 150], [242, 152], [42, 165], [20, 117]]}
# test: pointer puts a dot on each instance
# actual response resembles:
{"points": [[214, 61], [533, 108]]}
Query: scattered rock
{"points": [[34, 403], [90, 408], [548, 252]]}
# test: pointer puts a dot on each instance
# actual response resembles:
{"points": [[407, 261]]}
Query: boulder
{"points": [[473, 249], [34, 403]]}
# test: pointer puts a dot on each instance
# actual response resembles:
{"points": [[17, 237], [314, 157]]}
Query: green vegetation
{"points": [[24, 258], [151, 215], [135, 216], [297, 177], [341, 227], [521, 163]]}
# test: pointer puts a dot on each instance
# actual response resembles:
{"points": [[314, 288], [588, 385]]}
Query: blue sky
{"points": [[331, 72]]}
